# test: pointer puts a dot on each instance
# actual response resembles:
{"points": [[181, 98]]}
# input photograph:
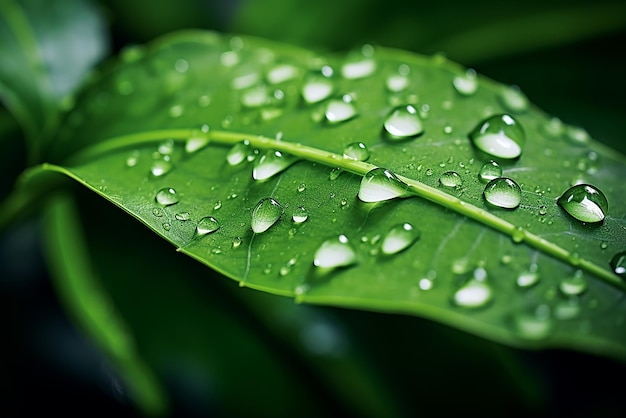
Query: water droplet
{"points": [[217, 205], [528, 278], [271, 163], [237, 242], [282, 73], [335, 173], [238, 153], [317, 88], [476, 292], [161, 167], [573, 285], [166, 226], [301, 187], [181, 66], [158, 212], [450, 179], [166, 196], [166, 147], [585, 203], [195, 143], [183, 216], [513, 99], [397, 83], [577, 135], [543, 210], [253, 97], [403, 122], [207, 225], [618, 264], [466, 84], [132, 159], [340, 110], [265, 214], [399, 238], [176, 111], [489, 171], [500, 136], [381, 184], [300, 214], [356, 151], [503, 193], [360, 68], [535, 325], [335, 252], [425, 283]]}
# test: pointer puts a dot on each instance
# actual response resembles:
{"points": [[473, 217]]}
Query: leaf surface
{"points": [[154, 113]]}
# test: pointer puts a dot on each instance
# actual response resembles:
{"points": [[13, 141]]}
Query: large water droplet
{"points": [[356, 151], [489, 171], [403, 122], [317, 88], [466, 84], [340, 110], [161, 167], [300, 214], [399, 238], [271, 163], [381, 184], [500, 136], [207, 225], [238, 153], [265, 214], [585, 203], [166, 196], [335, 252], [503, 193], [618, 264], [573, 285], [450, 179], [476, 292]]}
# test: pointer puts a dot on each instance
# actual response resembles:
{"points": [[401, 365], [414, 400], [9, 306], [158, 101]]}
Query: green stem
{"points": [[517, 233]]}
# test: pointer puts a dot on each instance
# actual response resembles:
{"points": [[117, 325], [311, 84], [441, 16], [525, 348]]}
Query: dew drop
{"points": [[132, 159], [476, 292], [466, 84], [238, 153], [317, 88], [217, 205], [503, 193], [489, 171], [161, 167], [236, 242], [381, 184], [397, 82], [167, 226], [166, 196], [176, 111], [335, 173], [543, 210], [573, 285], [450, 179], [585, 203], [340, 110], [166, 147], [282, 73], [513, 99], [356, 151], [335, 252], [158, 212], [360, 68], [399, 238], [403, 122], [528, 278], [207, 225], [271, 163], [618, 264], [265, 214], [500, 136], [301, 187], [183, 216], [535, 325], [300, 214], [254, 97], [195, 143]]}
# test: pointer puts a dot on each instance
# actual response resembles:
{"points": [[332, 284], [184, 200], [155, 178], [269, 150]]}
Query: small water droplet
{"points": [[397, 83], [254, 97], [403, 122], [335, 252], [381, 184], [360, 67], [236, 242], [340, 110], [528, 278], [132, 159], [265, 214], [534, 325], [466, 84], [301, 187], [195, 143], [335, 173], [282, 73], [618, 264], [300, 214], [585, 203], [183, 216], [317, 88], [176, 111], [158, 212], [513, 99], [604, 245], [271, 163], [475, 293], [166, 196], [573, 285], [166, 226], [425, 283], [166, 147], [207, 225], [161, 167], [503, 193], [238, 153], [489, 171], [450, 179], [356, 151], [399, 238], [543, 210], [500, 136]]}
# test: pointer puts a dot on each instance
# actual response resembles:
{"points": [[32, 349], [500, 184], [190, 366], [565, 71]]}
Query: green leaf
{"points": [[47, 48], [529, 276]]}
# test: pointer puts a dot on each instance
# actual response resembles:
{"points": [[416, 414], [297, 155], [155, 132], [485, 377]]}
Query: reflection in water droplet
{"points": [[513, 99], [381, 184], [340, 110], [476, 292], [489, 171], [265, 214], [403, 122], [166, 196], [574, 284], [500, 136], [238, 153], [466, 84], [618, 264], [503, 193], [317, 88], [356, 151], [399, 238], [335, 252], [450, 179], [585, 203], [271, 163], [300, 214], [207, 225], [160, 168]]}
